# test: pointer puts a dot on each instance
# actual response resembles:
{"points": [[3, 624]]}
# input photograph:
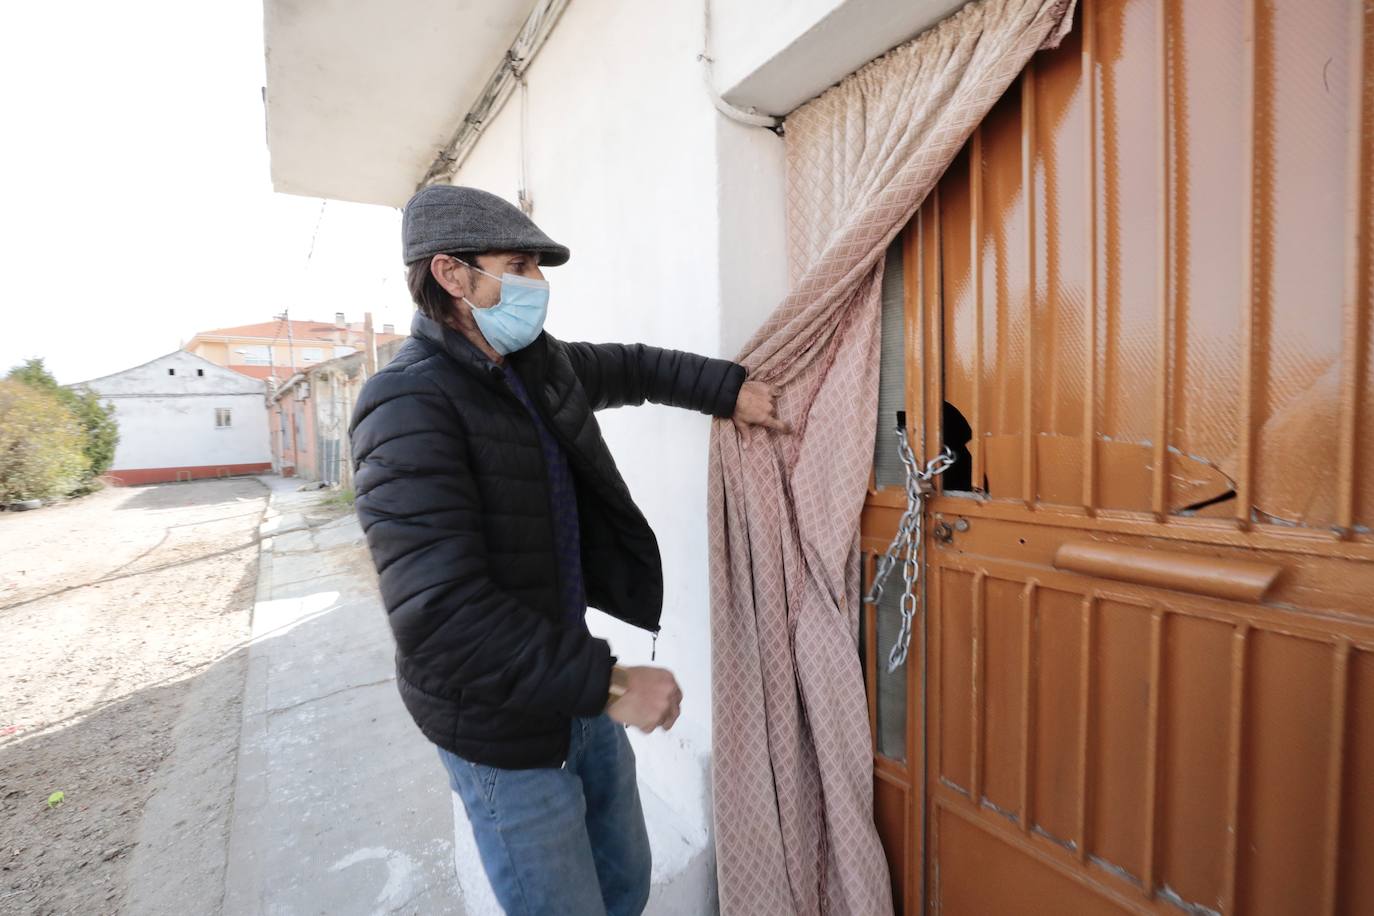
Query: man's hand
{"points": [[756, 407], [652, 698]]}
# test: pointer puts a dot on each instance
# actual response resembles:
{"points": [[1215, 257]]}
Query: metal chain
{"points": [[908, 539]]}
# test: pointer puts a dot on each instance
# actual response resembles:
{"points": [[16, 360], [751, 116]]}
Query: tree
{"points": [[41, 444], [101, 432], [99, 429], [33, 373]]}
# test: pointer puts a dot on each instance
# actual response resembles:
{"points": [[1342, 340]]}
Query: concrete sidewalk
{"points": [[341, 806]]}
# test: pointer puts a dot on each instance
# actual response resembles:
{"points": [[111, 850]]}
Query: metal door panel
{"points": [[1119, 741], [1195, 735], [1002, 727], [1356, 841], [1287, 730], [1160, 728], [1145, 284], [954, 664], [1202, 353], [1022, 884], [893, 810]]}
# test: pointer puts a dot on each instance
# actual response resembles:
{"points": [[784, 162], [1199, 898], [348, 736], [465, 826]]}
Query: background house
{"points": [[277, 348], [182, 417], [309, 413]]}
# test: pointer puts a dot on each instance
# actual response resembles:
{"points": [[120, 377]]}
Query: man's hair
{"points": [[430, 298]]}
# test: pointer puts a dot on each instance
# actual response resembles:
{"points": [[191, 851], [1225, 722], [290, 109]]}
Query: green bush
{"points": [[42, 447], [341, 498], [100, 433]]}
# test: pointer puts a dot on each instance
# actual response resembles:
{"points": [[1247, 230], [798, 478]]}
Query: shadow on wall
{"points": [[687, 887]]}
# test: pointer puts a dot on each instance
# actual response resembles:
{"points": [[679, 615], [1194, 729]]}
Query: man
{"points": [[496, 516]]}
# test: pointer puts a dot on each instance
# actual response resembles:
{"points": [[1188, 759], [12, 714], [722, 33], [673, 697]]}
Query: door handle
{"points": [[1237, 580]]}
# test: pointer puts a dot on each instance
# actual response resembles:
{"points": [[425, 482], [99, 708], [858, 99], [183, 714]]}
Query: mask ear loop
{"points": [[474, 267], [480, 271]]}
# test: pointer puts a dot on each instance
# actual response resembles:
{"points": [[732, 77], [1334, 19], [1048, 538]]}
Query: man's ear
{"points": [[450, 274]]}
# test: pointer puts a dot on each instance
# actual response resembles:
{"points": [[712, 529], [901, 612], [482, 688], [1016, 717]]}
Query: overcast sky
{"points": [[135, 203]]}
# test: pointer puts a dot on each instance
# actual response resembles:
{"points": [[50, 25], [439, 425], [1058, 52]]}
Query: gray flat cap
{"points": [[444, 218]]}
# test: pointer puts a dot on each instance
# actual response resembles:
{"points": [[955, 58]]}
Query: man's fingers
{"points": [[780, 425], [674, 708], [746, 427]]}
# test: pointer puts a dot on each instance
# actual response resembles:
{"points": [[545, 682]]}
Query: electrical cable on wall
{"points": [[502, 82], [750, 116], [276, 335], [523, 196], [315, 233]]}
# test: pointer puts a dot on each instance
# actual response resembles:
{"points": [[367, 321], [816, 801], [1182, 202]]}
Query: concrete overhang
{"points": [[773, 55], [362, 94]]}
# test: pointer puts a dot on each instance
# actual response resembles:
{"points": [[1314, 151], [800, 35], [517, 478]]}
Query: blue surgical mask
{"points": [[515, 321]]}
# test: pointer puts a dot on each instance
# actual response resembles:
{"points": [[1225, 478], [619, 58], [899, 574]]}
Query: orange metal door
{"points": [[1149, 642]]}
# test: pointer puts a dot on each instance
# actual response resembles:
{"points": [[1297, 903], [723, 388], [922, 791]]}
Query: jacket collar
{"points": [[530, 362]]}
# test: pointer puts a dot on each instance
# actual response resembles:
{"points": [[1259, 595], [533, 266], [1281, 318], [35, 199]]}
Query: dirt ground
{"points": [[113, 609]]}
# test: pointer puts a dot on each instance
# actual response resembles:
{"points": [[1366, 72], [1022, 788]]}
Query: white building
{"points": [[632, 142], [182, 417]]}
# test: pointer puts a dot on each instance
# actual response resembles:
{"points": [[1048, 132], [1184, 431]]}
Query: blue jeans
{"points": [[567, 841]]}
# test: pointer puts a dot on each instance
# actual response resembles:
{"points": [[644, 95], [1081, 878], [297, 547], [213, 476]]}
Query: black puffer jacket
{"points": [[453, 494]]}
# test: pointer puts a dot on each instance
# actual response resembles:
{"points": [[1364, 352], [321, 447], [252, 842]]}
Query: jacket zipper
{"points": [[557, 571], [548, 489], [568, 447]]}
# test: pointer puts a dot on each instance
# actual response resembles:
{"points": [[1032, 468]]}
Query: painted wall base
{"points": [[128, 477]]}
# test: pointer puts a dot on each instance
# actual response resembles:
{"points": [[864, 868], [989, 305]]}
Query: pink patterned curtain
{"points": [[793, 770]]}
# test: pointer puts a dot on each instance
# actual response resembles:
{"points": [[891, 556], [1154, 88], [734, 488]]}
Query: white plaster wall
{"points": [[745, 35], [773, 55], [168, 419], [161, 431], [154, 378], [752, 266]]}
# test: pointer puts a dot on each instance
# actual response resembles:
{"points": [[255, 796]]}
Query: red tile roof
{"points": [[262, 372], [301, 331]]}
